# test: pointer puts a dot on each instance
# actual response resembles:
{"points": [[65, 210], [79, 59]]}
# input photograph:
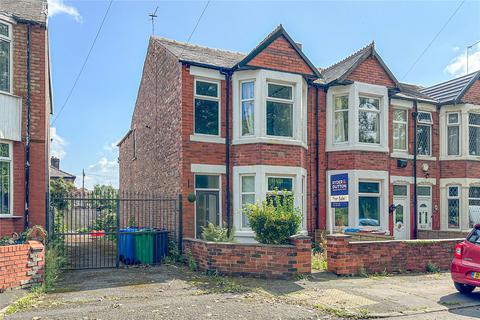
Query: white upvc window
{"points": [[206, 107], [453, 134], [6, 178], [400, 130], [369, 193], [473, 205], [247, 197], [424, 133], [277, 188], [453, 203], [5, 57], [247, 97], [369, 120], [279, 110], [474, 134], [340, 118]]}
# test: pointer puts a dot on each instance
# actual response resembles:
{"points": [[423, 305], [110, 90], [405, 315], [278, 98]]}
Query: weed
{"points": [[174, 255], [54, 261], [345, 314], [432, 268], [191, 263], [450, 303], [26, 302], [362, 272]]}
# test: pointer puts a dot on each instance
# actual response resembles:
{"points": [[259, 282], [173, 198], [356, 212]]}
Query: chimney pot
{"points": [[55, 162], [299, 45]]}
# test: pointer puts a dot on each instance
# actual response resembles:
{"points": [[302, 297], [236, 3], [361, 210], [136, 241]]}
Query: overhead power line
{"points": [[434, 38], [196, 25], [84, 63]]}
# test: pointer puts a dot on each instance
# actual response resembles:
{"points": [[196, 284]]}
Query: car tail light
{"points": [[458, 251]]}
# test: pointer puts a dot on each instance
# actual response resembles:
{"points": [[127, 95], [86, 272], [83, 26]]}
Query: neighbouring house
{"points": [[349, 141], [56, 173], [25, 108]]}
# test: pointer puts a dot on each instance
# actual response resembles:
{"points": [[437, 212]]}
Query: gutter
{"points": [[317, 178], [28, 138], [415, 150]]}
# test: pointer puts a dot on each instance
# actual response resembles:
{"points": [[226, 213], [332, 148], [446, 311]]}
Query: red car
{"points": [[465, 269]]}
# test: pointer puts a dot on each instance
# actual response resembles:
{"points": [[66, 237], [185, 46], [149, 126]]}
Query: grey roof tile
{"points": [[412, 91], [57, 173], [198, 54], [450, 90], [31, 10]]}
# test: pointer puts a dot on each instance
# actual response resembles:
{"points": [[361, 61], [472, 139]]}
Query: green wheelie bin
{"points": [[144, 244]]}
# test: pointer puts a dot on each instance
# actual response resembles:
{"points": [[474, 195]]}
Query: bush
{"points": [[216, 233], [274, 224], [55, 260]]}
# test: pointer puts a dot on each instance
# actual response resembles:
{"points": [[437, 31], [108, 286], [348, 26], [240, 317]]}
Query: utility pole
{"points": [[152, 16], [468, 48], [83, 180]]}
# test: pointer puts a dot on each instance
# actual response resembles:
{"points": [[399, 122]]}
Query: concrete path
{"points": [[170, 292]]}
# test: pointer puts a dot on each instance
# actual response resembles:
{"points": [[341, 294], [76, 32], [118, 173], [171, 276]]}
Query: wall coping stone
{"points": [[263, 245], [407, 241]]}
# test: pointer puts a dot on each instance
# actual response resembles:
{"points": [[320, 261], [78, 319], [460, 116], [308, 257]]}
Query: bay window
{"points": [[247, 191], [248, 107], [474, 134], [341, 119], [474, 206], [453, 134], [453, 196], [5, 178], [369, 203], [424, 134], [278, 188], [279, 110], [207, 110], [400, 128], [369, 120], [5, 56]]}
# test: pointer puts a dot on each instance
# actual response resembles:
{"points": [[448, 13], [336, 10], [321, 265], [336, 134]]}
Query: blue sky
{"points": [[99, 110]]}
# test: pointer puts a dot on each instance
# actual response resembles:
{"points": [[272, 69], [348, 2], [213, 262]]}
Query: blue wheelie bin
{"points": [[127, 245], [160, 246]]}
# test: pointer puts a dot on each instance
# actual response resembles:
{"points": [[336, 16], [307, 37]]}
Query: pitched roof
{"points": [[342, 69], [30, 10], [278, 32], [201, 55], [451, 90], [412, 91], [57, 173]]}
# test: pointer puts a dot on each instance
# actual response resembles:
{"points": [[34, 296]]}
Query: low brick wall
{"points": [[440, 234], [347, 257], [22, 265], [256, 260]]}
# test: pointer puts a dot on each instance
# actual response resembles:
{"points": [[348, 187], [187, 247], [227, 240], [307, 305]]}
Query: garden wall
{"points": [[347, 257], [257, 260], [21, 265]]}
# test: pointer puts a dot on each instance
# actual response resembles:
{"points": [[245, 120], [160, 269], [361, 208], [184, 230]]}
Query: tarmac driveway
{"points": [[171, 292]]}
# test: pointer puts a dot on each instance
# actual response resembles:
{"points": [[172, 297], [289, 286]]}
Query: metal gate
{"points": [[90, 226]]}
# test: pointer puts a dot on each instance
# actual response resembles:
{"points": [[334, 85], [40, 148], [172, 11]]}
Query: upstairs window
{"points": [[207, 111], [248, 107], [279, 110], [453, 134], [5, 56], [474, 134], [341, 119], [5, 178], [369, 120], [424, 134], [474, 206], [400, 130], [453, 207]]}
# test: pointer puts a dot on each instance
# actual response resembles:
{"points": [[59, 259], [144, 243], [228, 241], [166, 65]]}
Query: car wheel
{"points": [[464, 288]]}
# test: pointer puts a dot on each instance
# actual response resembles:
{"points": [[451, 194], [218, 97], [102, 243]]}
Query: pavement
{"points": [[172, 292]]}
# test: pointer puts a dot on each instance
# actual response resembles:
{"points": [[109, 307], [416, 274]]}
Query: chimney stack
{"points": [[299, 45], [55, 162]]}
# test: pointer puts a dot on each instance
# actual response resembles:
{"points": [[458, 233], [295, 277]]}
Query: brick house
{"points": [[233, 127], [25, 108]]}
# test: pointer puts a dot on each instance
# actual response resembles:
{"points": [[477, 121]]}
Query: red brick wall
{"points": [[157, 122], [371, 71], [280, 55], [473, 94], [458, 168], [345, 257], [437, 234], [40, 123], [21, 265], [257, 260]]}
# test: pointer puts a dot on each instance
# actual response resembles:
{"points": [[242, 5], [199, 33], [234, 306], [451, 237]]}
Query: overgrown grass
{"points": [[319, 261], [216, 283], [26, 302], [345, 314]]}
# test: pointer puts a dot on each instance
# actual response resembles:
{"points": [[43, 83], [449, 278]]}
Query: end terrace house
{"points": [[232, 128], [25, 108]]}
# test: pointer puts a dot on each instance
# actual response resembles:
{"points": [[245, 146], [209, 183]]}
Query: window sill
{"points": [[210, 139], [426, 158], [270, 140], [467, 158], [401, 155], [8, 216], [357, 147]]}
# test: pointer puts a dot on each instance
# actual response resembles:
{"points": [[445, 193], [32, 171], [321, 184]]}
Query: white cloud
{"points": [[58, 144], [104, 171], [59, 7], [458, 66]]}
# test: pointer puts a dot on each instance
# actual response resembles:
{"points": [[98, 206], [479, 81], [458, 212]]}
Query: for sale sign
{"points": [[339, 190]]}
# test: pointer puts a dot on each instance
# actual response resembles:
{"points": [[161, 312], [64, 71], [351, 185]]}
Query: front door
{"points": [[424, 207], [401, 216], [207, 210]]}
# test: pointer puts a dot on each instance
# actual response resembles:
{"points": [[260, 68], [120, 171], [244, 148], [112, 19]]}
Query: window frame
{"points": [[453, 124], [242, 193], [377, 195], [430, 125], [9, 160], [9, 39], [290, 102], [459, 198], [334, 97], [377, 112], [219, 189], [406, 129], [469, 125], [241, 82], [217, 99], [471, 198]]}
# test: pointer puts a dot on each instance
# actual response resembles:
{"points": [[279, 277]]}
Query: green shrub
{"points": [[216, 233], [192, 264], [432, 268], [55, 260], [274, 224]]}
